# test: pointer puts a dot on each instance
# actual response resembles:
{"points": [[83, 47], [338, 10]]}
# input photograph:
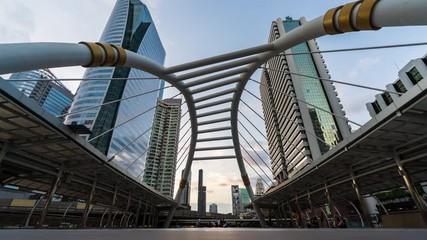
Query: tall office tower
{"points": [[53, 96], [131, 27], [201, 198], [299, 133], [412, 74], [162, 151], [246, 200], [236, 200], [185, 196], [213, 208], [259, 187]]}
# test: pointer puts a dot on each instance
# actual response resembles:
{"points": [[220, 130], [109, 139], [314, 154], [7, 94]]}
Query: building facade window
{"points": [[387, 98], [400, 87], [377, 107], [414, 75]]}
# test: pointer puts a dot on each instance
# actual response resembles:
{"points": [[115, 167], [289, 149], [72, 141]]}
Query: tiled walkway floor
{"points": [[216, 233]]}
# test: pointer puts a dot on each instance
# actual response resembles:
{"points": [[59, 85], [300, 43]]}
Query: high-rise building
{"points": [[162, 151], [131, 27], [239, 199], [259, 187], [236, 200], [201, 198], [53, 96], [246, 200], [412, 74], [213, 208], [299, 133], [185, 196]]}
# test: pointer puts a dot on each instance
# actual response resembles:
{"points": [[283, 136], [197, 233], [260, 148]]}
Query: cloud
{"points": [[252, 152], [17, 23], [364, 65]]}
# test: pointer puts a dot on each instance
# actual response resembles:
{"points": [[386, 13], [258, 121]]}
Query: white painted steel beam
{"points": [[220, 58], [205, 114], [214, 148], [214, 139], [214, 130], [218, 120], [214, 95], [214, 103], [215, 85], [217, 68], [211, 78], [214, 158]]}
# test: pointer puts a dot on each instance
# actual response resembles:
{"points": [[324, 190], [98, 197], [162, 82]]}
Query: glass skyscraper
{"points": [[299, 133], [245, 197], [162, 152], [53, 96], [131, 27]]}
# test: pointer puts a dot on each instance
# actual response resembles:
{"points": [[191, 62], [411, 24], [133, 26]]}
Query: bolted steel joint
{"points": [[105, 55]]}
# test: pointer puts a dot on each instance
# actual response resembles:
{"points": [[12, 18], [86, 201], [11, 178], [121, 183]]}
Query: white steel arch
{"points": [[225, 75]]}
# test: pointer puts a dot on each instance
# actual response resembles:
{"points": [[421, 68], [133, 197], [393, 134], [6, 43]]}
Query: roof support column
{"points": [[145, 215], [310, 202], [291, 213], [155, 219], [299, 213], [279, 216], [285, 215], [113, 202], [150, 217], [409, 185], [88, 203], [49, 197], [330, 202], [366, 215], [127, 209], [137, 212]]}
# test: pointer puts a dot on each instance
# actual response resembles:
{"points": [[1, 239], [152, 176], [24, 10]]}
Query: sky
{"points": [[195, 29]]}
